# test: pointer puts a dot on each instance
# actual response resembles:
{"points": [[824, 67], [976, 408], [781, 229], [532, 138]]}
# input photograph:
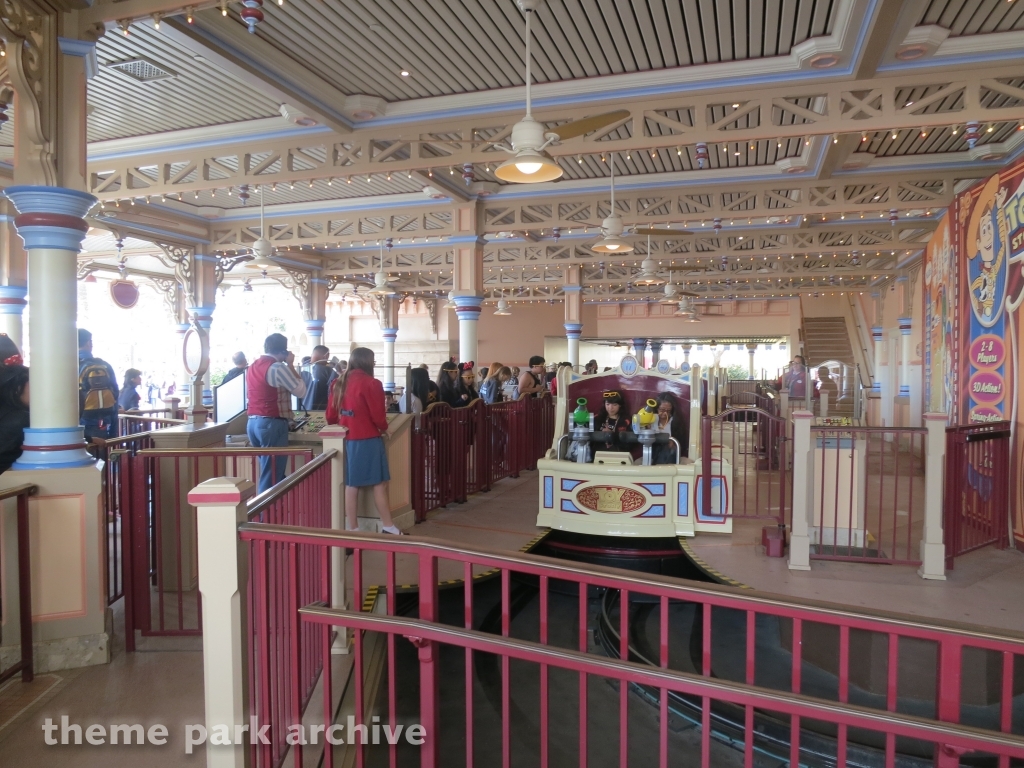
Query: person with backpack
{"points": [[97, 391]]}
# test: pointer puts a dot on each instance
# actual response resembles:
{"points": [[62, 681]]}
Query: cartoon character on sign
{"points": [[986, 233]]}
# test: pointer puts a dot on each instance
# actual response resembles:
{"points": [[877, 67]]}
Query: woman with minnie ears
{"points": [[356, 402], [14, 397], [468, 381]]}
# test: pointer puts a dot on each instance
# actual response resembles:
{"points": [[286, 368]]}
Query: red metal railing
{"points": [[112, 453], [461, 451], [869, 491], [856, 671], [24, 664], [756, 444], [977, 488], [158, 540], [134, 423]]}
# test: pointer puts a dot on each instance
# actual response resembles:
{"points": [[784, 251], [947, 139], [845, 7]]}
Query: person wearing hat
{"points": [[468, 376], [270, 382], [129, 398], [14, 396]]}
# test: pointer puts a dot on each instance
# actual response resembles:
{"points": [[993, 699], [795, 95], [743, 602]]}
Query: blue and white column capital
{"points": [[315, 327], [573, 330], [876, 333], [13, 299], [904, 325], [468, 307], [50, 217], [389, 334], [54, 448], [203, 316]]}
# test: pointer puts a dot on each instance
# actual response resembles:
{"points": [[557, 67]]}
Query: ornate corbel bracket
{"points": [[298, 283], [30, 43], [226, 263]]}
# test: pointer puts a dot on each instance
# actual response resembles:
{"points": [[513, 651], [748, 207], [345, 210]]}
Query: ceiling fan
{"points": [[529, 138], [381, 286], [612, 229]]}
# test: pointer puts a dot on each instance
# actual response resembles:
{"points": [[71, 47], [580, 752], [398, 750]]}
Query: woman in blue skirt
{"points": [[357, 403]]}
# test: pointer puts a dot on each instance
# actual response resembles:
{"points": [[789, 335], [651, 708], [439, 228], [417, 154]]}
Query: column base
{"points": [[799, 553], [54, 448], [933, 561], [71, 624]]}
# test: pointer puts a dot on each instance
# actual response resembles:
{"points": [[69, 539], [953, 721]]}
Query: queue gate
{"points": [[756, 444]]}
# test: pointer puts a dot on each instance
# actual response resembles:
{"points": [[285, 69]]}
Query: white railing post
{"points": [[933, 549], [823, 408], [803, 492], [223, 572], [334, 438]]}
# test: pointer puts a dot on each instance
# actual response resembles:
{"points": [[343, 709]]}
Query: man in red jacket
{"points": [[270, 383]]}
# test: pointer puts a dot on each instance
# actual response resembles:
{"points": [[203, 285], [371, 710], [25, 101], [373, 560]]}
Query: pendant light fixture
{"points": [[262, 249], [381, 287], [612, 242], [502, 310], [529, 138], [648, 274]]}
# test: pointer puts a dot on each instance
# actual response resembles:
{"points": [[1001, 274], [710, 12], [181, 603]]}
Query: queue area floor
{"points": [[982, 589]]}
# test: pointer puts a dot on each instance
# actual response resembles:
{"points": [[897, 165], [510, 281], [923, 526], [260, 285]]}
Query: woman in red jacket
{"points": [[357, 403]]}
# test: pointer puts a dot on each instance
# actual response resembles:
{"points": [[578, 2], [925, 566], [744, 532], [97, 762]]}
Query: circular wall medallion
{"points": [[664, 366], [629, 365], [124, 293]]}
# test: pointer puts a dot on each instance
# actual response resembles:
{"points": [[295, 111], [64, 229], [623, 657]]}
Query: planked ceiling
{"points": [[196, 95], [977, 17], [461, 46]]}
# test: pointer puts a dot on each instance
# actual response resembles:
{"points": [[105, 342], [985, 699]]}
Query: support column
{"points": [[933, 549], [467, 309], [686, 353], [388, 316], [573, 314], [751, 349], [314, 310], [803, 492], [51, 222], [656, 347], [315, 332], [639, 350], [468, 276], [13, 279], [905, 327]]}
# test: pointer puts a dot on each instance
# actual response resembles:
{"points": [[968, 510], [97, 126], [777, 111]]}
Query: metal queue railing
{"points": [[158, 547], [22, 551], [113, 454], [457, 452], [134, 423], [977, 496], [846, 681], [869, 494]]}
